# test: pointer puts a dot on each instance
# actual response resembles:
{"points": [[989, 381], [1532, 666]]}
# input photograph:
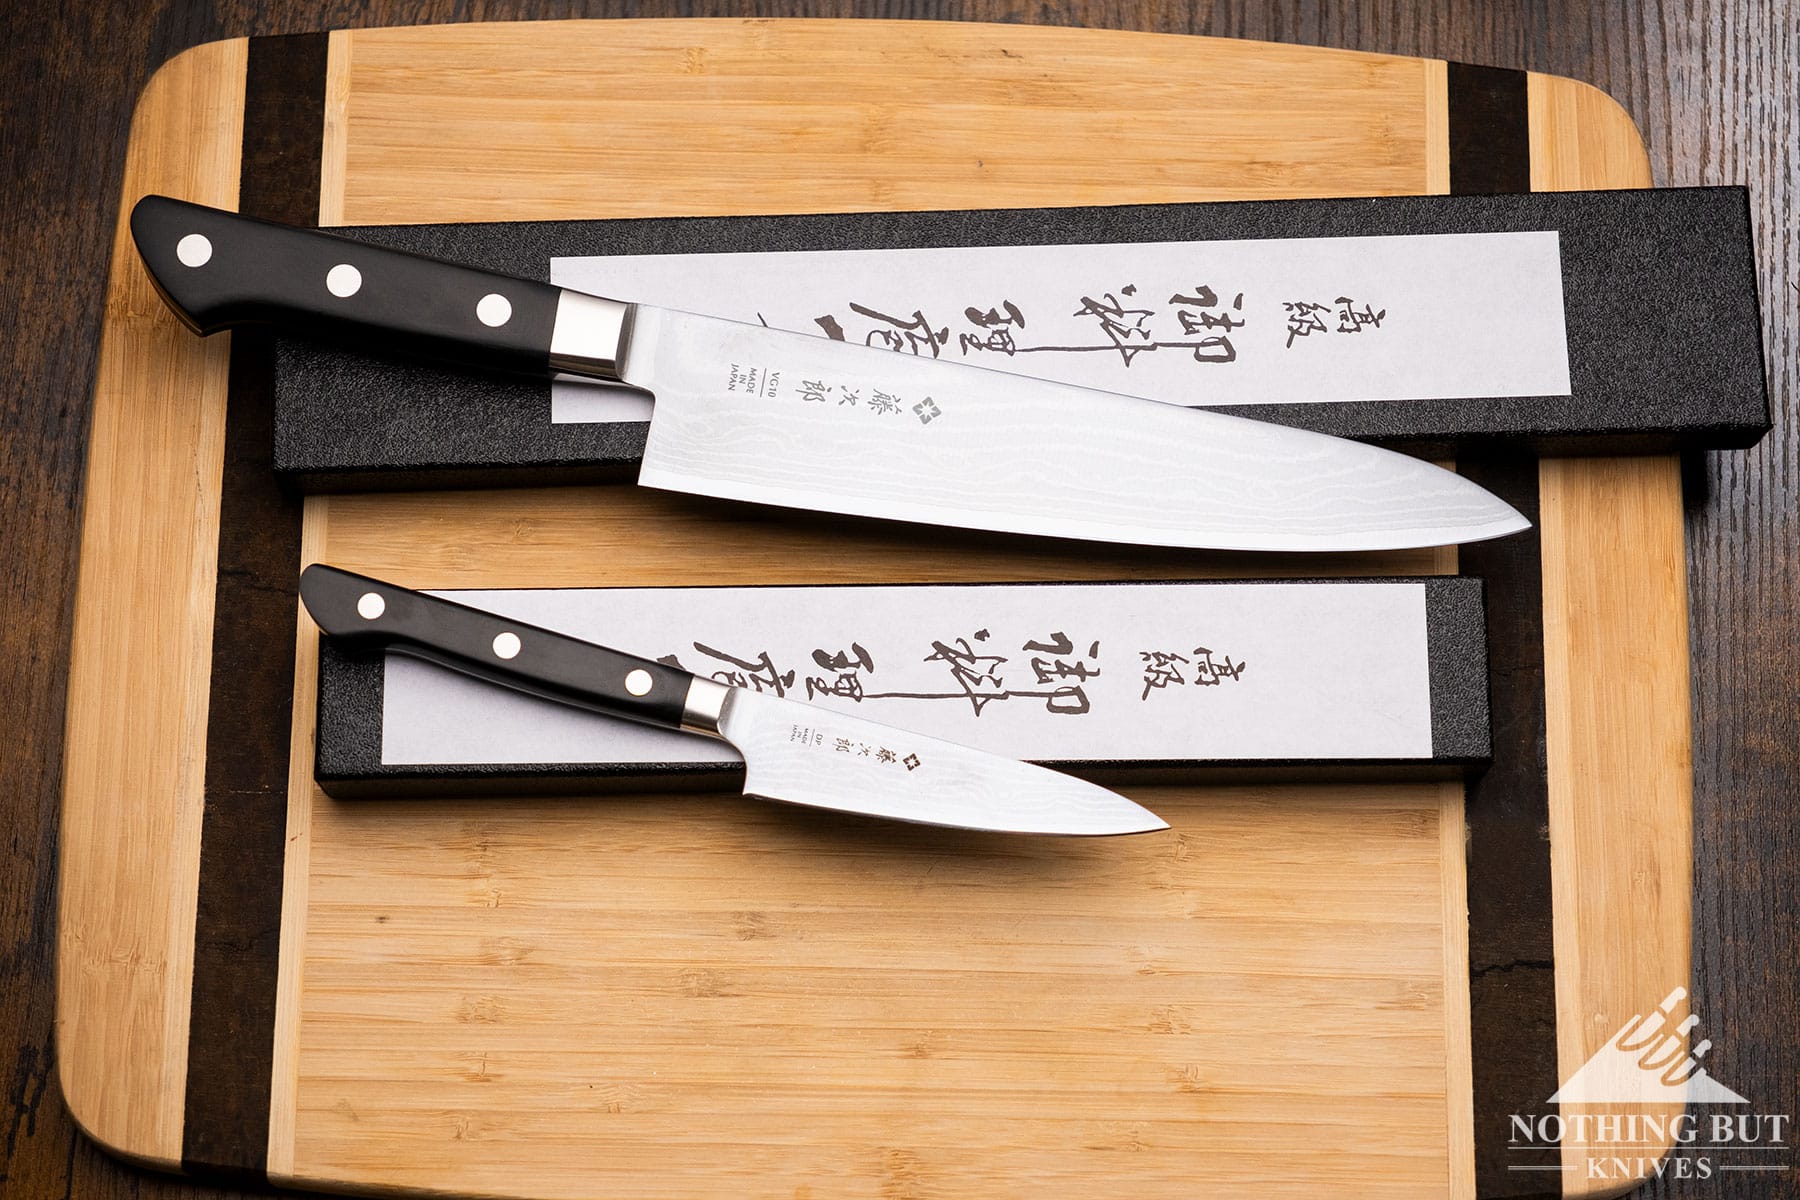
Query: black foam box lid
{"points": [[1659, 287]]}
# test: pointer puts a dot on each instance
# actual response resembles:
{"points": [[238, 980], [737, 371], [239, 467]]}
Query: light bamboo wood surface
{"points": [[1620, 740], [711, 996], [136, 730]]}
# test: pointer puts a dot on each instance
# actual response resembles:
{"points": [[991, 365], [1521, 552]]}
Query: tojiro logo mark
{"points": [[852, 747]]}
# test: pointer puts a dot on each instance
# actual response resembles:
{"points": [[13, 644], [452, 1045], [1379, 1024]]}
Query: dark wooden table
{"points": [[1711, 83]]}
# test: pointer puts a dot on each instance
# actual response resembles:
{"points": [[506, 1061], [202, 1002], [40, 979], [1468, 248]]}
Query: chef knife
{"points": [[751, 413], [792, 752]]}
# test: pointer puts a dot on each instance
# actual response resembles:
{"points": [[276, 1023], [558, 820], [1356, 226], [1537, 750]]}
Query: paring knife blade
{"points": [[793, 752], [751, 413]]}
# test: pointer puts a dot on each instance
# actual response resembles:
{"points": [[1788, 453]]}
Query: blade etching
{"points": [[757, 414]]}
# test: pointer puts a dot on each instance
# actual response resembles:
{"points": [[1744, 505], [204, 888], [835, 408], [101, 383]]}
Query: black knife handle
{"points": [[217, 269], [519, 656]]}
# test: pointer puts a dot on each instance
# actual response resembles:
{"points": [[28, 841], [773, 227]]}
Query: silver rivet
{"points": [[494, 310], [343, 280], [638, 682], [507, 645], [370, 606], [194, 250]]}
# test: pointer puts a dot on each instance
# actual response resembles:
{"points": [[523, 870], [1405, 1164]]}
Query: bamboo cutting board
{"points": [[1299, 990]]}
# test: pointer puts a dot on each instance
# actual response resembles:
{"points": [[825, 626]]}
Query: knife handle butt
{"points": [[218, 269], [526, 658]]}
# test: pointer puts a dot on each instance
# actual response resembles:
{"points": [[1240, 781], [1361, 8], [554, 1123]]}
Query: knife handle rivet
{"points": [[638, 682], [343, 280], [507, 645], [370, 605], [194, 250], [494, 310]]}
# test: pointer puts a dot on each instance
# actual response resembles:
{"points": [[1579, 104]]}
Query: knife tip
{"points": [[1141, 821], [1511, 522]]}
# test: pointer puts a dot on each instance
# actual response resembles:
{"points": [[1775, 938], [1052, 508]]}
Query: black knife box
{"points": [[351, 709], [1664, 335]]}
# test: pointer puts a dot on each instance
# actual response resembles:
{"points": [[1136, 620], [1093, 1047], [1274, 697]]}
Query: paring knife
{"points": [[792, 752], [751, 413]]}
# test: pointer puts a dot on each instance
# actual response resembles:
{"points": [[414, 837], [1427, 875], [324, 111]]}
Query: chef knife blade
{"points": [[793, 752], [751, 413]]}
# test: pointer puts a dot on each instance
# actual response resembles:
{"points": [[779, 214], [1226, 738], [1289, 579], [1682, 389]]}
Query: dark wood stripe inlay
{"points": [[1490, 137], [231, 1027], [1512, 971], [1512, 974]]}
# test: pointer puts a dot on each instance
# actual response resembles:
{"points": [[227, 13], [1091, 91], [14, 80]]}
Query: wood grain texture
{"points": [[132, 779], [1459, 1082], [729, 998], [1619, 809], [1714, 86], [1711, 84], [296, 893], [1620, 820], [777, 110]]}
